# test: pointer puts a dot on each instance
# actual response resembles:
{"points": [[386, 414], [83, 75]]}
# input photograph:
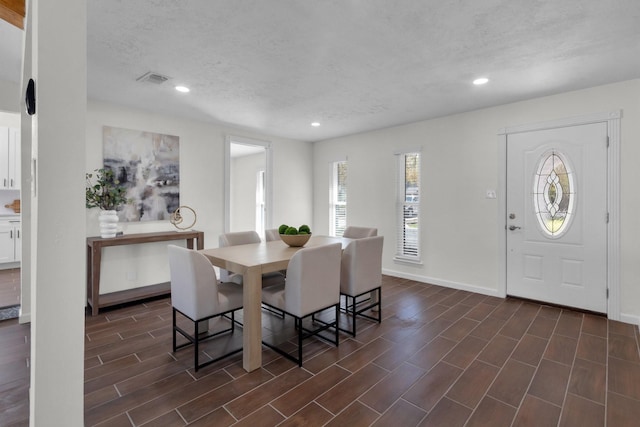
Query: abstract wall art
{"points": [[148, 165]]}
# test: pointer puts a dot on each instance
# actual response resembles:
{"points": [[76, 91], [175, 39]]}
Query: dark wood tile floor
{"points": [[441, 357], [9, 287]]}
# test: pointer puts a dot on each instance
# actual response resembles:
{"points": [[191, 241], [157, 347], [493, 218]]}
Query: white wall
{"points": [[460, 228], [56, 59], [9, 96], [201, 187]]}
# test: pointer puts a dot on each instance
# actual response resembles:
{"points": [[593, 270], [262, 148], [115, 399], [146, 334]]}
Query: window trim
{"points": [[333, 200], [400, 254]]}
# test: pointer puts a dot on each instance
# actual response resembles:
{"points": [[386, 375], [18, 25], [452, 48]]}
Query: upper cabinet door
{"points": [[13, 175], [4, 157], [9, 158]]}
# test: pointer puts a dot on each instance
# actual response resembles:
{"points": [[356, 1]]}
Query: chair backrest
{"points": [[361, 268], [271, 235], [313, 279], [194, 284], [359, 232], [234, 239], [238, 238]]}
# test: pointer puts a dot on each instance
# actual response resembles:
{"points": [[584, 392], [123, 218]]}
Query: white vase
{"points": [[108, 224]]}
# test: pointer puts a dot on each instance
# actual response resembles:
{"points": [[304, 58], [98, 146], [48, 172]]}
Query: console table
{"points": [[94, 256]]}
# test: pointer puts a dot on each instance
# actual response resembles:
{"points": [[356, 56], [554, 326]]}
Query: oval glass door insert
{"points": [[554, 194]]}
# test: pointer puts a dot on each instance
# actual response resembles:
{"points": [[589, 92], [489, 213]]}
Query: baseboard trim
{"points": [[630, 318], [24, 317], [444, 283], [625, 318]]}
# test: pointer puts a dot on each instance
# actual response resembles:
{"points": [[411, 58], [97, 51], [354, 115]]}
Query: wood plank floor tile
{"points": [[170, 419], [491, 412], [465, 351], [498, 350], [530, 350], [550, 382], [480, 312], [348, 390], [622, 411], [401, 413], [432, 353], [535, 413], [487, 329], [561, 349], [542, 327], [430, 388], [311, 415], [588, 380], [263, 417], [624, 377], [446, 413], [473, 384], [579, 412], [423, 351], [300, 396], [383, 394], [265, 393], [206, 401], [218, 418], [460, 329], [365, 354], [355, 415], [595, 325], [623, 347], [512, 382], [593, 348]]}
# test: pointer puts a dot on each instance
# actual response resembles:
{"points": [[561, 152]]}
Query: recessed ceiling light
{"points": [[315, 124], [183, 89], [481, 81]]}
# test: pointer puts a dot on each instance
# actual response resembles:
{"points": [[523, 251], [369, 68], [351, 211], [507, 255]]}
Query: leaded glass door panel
{"points": [[556, 221]]}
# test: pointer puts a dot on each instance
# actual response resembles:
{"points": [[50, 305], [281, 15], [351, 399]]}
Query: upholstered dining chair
{"points": [[353, 232], [360, 274], [312, 285], [198, 295], [271, 235], [244, 238], [233, 239]]}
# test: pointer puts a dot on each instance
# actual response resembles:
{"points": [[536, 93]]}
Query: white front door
{"points": [[557, 216]]}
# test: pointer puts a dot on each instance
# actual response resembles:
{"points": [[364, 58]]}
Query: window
{"points": [[408, 207], [338, 202], [553, 194]]}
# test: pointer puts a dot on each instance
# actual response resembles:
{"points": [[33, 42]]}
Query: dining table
{"points": [[252, 261]]}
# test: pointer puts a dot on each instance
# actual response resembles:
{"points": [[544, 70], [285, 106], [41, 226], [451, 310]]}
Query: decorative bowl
{"points": [[295, 240]]}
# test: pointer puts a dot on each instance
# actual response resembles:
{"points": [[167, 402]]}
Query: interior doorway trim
{"points": [[612, 118], [229, 139]]}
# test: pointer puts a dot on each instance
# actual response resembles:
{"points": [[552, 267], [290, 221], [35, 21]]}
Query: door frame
{"points": [[235, 139], [612, 118]]}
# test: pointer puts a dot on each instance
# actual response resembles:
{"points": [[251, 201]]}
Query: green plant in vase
{"points": [[106, 193]]}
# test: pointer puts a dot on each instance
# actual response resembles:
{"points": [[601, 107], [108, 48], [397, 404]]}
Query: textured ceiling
{"points": [[275, 66]]}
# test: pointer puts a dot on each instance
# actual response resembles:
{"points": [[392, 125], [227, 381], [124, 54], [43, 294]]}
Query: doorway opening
{"points": [[247, 185]]}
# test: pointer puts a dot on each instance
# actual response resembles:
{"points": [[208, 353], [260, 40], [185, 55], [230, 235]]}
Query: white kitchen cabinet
{"points": [[10, 241], [9, 158]]}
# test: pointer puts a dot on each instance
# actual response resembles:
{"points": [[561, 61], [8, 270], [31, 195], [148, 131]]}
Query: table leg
{"points": [[252, 319], [95, 279]]}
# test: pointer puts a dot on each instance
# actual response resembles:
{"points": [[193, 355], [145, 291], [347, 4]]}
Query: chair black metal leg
{"points": [[196, 345], [174, 330], [299, 342]]}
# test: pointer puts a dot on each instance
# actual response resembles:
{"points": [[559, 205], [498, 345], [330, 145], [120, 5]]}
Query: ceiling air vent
{"points": [[152, 77]]}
